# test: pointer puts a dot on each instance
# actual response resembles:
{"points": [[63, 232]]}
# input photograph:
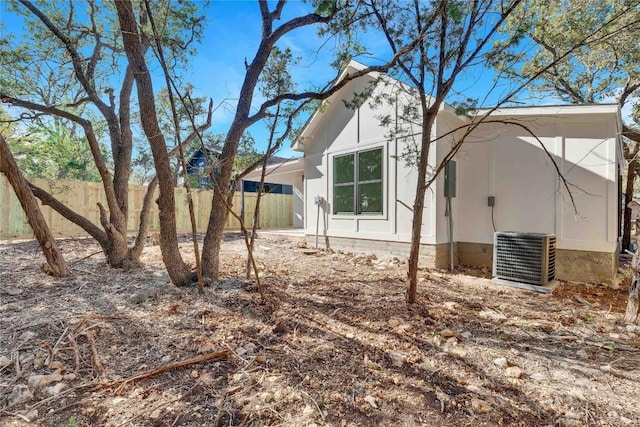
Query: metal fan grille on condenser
{"points": [[524, 257]]}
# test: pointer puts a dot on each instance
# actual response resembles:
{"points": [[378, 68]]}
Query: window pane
{"points": [[343, 169], [370, 197], [370, 165], [343, 196]]}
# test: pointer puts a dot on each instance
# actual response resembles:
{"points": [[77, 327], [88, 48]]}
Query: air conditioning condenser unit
{"points": [[525, 260]]}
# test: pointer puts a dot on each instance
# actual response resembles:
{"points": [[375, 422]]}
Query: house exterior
{"points": [[356, 168], [198, 164], [289, 176]]}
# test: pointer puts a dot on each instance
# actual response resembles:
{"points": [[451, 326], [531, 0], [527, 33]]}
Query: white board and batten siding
{"points": [[507, 162], [340, 130]]}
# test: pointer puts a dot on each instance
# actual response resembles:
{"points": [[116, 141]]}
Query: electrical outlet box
{"points": [[491, 201]]}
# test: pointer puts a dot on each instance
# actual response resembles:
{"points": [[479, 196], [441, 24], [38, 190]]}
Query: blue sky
{"points": [[232, 35]]}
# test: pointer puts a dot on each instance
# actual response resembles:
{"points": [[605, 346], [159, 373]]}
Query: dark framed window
{"points": [[357, 183]]}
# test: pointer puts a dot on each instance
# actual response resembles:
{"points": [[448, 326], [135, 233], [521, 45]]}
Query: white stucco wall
{"points": [[289, 173], [497, 160], [340, 130], [508, 163]]}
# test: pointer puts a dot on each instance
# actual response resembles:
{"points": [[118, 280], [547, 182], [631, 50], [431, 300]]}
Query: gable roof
{"points": [[327, 104], [353, 66], [533, 110]]}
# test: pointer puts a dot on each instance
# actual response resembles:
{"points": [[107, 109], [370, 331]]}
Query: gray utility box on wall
{"points": [[524, 257], [450, 179]]}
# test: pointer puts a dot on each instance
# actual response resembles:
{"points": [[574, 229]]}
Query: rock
{"points": [[538, 376], [55, 389], [14, 292], [294, 396], [397, 359], [261, 358], [371, 401], [240, 351], [632, 329], [239, 377], [394, 321], [144, 294], [451, 305], [335, 397], [582, 354], [466, 335], [194, 374], [626, 420], [19, 394], [437, 340], [4, 362], [571, 415], [492, 315], [250, 347], [480, 405], [36, 382], [56, 364], [156, 414], [405, 327], [605, 368], [513, 372], [457, 351], [448, 333], [207, 379], [31, 416], [500, 362], [308, 411]]}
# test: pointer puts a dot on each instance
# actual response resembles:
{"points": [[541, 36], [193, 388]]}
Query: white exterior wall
{"points": [[508, 163], [289, 173], [340, 130], [446, 123], [294, 179]]}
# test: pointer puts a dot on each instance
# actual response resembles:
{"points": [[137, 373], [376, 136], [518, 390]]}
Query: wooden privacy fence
{"points": [[276, 210]]}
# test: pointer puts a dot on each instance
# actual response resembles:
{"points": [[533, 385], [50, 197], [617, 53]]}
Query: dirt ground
{"points": [[333, 344]]}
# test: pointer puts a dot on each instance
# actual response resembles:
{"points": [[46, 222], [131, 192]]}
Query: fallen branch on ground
{"points": [[169, 367], [94, 352]]}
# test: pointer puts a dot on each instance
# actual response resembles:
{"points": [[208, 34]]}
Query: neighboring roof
{"points": [[283, 168]]}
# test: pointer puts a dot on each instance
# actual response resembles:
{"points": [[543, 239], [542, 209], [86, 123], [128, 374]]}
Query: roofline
{"points": [[556, 109], [296, 164], [358, 66]]}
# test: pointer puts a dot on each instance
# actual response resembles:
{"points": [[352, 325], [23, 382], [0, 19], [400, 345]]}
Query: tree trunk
{"points": [[631, 315], [418, 204], [179, 272], [56, 265], [416, 226], [218, 217], [628, 197]]}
